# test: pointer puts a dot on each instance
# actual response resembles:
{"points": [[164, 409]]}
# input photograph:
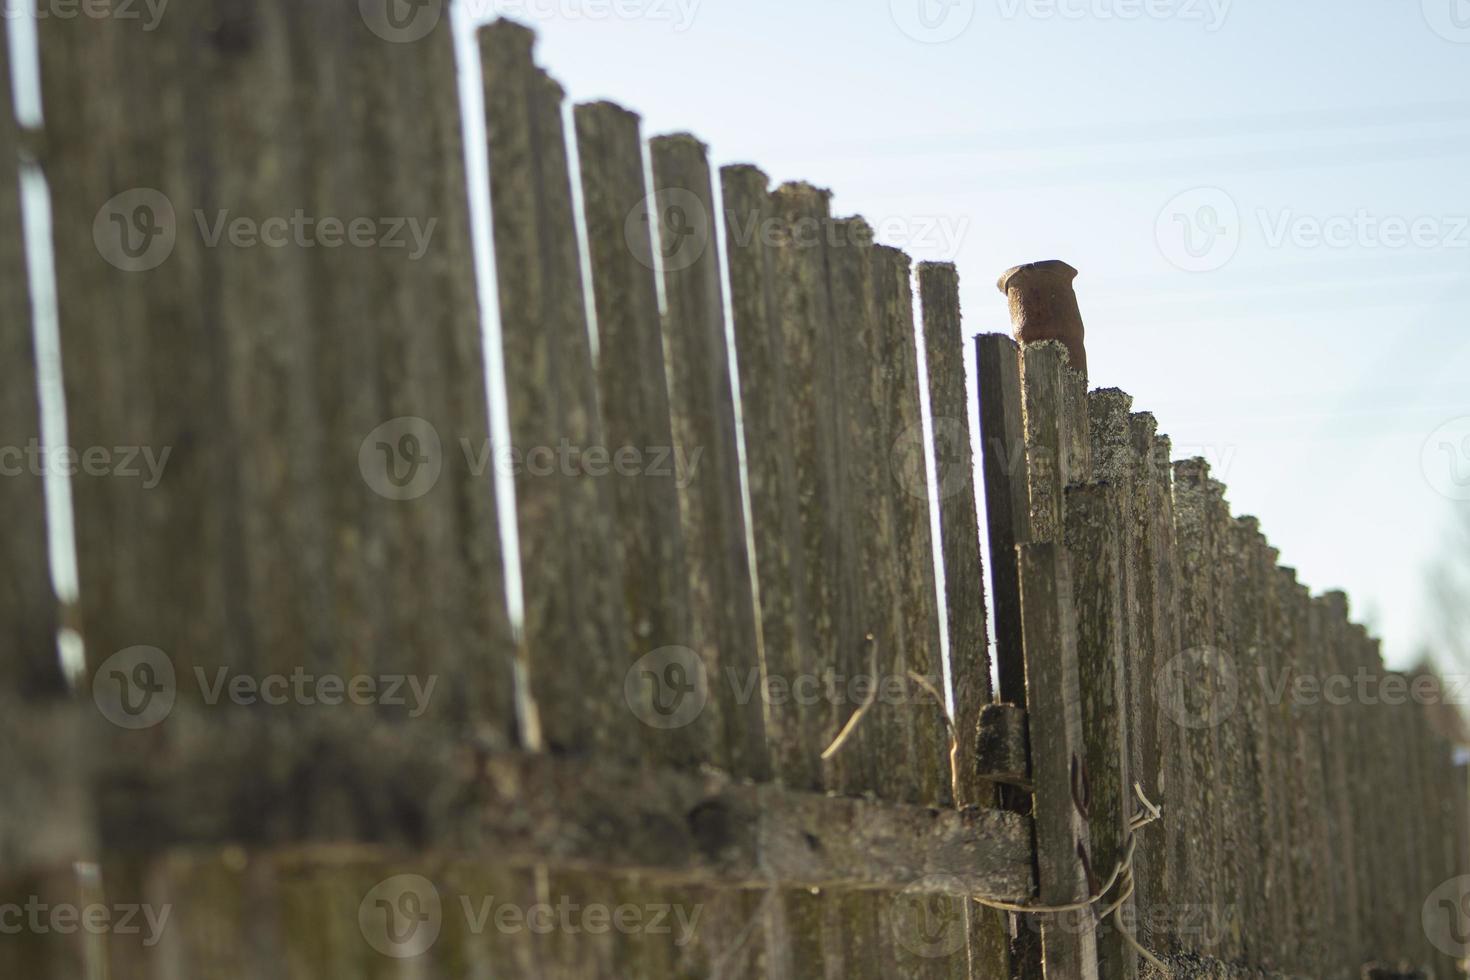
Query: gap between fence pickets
{"points": [[421, 791]]}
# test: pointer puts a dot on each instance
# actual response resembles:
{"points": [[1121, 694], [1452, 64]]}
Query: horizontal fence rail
{"points": [[660, 689]]}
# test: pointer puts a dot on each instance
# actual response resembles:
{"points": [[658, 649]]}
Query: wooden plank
{"points": [[770, 465], [786, 639], [1228, 679], [1051, 430], [1153, 737], [1095, 516], [1116, 464], [911, 560], [806, 343], [964, 569], [1007, 500], [681, 723], [1379, 763], [1309, 858], [573, 625], [1285, 787], [929, 933], [1068, 940], [525, 809], [1338, 696], [1007, 524], [702, 405], [1049, 453], [1322, 614], [1252, 568], [868, 628], [1363, 790], [1197, 674]]}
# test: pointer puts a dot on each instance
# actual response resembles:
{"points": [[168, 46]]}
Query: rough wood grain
{"points": [[1001, 754], [573, 627], [1094, 521], [788, 648], [959, 527], [1251, 568], [633, 395], [702, 405], [770, 465], [1153, 735], [912, 557], [1308, 870], [1229, 682], [1199, 677], [867, 627], [1057, 757], [1044, 392], [266, 365], [1337, 695], [1007, 499]]}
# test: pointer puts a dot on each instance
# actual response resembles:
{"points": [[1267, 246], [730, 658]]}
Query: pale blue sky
{"points": [[1311, 374]]}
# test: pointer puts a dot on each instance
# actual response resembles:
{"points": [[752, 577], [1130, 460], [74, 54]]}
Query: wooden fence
{"points": [[693, 722]]}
